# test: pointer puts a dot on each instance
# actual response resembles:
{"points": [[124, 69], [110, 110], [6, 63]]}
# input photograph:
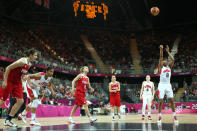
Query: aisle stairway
{"points": [[95, 56], [135, 56], [174, 49], [179, 94]]}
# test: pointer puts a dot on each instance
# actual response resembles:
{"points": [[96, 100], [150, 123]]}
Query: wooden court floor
{"points": [[133, 118]]}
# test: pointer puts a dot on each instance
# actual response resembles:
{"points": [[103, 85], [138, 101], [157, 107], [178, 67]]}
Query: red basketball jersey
{"points": [[82, 84], [114, 86], [16, 74]]}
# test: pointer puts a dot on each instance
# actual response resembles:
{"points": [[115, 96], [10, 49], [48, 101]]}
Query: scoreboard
{"points": [[91, 8]]}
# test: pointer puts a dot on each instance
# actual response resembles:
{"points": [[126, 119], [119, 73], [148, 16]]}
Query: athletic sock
{"points": [[119, 115], [33, 116], [149, 113], [24, 113], [174, 113], [159, 114], [9, 117]]}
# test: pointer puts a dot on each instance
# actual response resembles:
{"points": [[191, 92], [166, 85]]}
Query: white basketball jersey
{"points": [[147, 88], [165, 75], [42, 81]]}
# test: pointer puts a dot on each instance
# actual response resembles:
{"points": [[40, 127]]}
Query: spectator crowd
{"points": [[190, 92], [66, 50]]}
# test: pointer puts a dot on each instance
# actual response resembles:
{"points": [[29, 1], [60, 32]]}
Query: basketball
{"points": [[154, 11]]}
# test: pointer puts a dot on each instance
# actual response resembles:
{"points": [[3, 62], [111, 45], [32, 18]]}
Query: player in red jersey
{"points": [[12, 84], [82, 82], [114, 89], [33, 85]]}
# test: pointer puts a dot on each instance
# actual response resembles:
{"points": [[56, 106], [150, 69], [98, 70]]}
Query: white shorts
{"points": [[31, 93], [147, 100], [165, 89]]}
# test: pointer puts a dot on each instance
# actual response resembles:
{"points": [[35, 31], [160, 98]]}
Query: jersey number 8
{"points": [[167, 75]]}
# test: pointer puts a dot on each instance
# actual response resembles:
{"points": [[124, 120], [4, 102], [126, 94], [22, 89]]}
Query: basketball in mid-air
{"points": [[154, 11]]}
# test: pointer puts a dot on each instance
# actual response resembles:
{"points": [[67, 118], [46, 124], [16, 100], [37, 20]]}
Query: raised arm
{"points": [[142, 89], [18, 63], [160, 58], [171, 57], [73, 83]]}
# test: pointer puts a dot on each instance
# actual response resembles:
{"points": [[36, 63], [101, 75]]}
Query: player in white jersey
{"points": [[147, 95], [164, 87], [32, 86]]}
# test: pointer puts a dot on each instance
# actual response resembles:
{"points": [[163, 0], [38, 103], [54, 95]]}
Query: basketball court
{"points": [[128, 122]]}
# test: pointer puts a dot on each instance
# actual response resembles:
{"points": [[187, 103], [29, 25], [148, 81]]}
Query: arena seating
{"points": [[186, 58], [148, 45], [113, 48]]}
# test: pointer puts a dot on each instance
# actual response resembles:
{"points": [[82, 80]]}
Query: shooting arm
{"points": [[160, 58], [172, 59]]}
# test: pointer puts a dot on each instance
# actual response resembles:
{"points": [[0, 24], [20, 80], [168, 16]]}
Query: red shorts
{"points": [[115, 100], [15, 89], [80, 99]]}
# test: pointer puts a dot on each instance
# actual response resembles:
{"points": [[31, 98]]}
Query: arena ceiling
{"points": [[131, 15]]}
